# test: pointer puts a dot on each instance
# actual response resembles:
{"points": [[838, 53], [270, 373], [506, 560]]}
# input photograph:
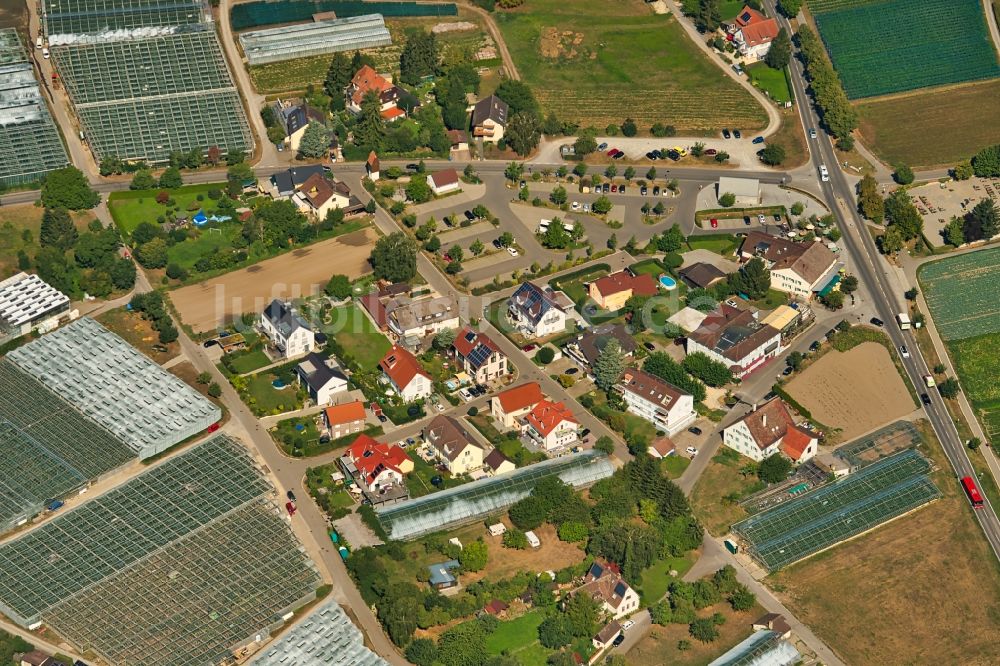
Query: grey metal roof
{"points": [[325, 637], [441, 572], [283, 317], [317, 371]]}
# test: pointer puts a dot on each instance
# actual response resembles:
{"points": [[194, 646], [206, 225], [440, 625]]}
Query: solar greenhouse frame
{"points": [[471, 501], [309, 39], [838, 511], [326, 637], [79, 17], [895, 437]]}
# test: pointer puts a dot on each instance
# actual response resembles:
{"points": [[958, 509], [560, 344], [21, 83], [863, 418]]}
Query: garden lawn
{"points": [[771, 81], [514, 635], [714, 499], [723, 244], [674, 466], [596, 63], [656, 578], [210, 239], [648, 267], [131, 207], [355, 334], [270, 400], [250, 361], [419, 480]]}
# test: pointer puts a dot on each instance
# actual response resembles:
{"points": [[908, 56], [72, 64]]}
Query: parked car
{"points": [[528, 347], [787, 371], [497, 244], [711, 151], [715, 223], [606, 188], [877, 322], [814, 346], [903, 351], [575, 205], [619, 639], [469, 215], [746, 220], [658, 154], [812, 133], [382, 418], [643, 190], [651, 155], [656, 190], [725, 134], [412, 167], [618, 155], [673, 154], [512, 251], [602, 147], [572, 371], [611, 152], [649, 345], [53, 504], [614, 188], [777, 217], [621, 189], [585, 433], [586, 207], [758, 139], [760, 218], [290, 508], [694, 430], [523, 185], [691, 451], [290, 495], [924, 398], [737, 135], [627, 624], [410, 441]]}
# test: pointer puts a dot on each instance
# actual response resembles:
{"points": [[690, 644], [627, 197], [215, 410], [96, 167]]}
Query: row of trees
{"points": [[835, 108], [980, 223], [192, 159]]}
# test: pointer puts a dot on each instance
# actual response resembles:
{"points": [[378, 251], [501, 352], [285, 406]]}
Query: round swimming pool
{"points": [[668, 282]]}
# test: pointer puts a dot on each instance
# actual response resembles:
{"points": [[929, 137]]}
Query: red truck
{"points": [[970, 489]]}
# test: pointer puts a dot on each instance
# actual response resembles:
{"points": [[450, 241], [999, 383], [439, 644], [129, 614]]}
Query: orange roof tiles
{"points": [[346, 413], [641, 285], [520, 397], [547, 415], [401, 366]]}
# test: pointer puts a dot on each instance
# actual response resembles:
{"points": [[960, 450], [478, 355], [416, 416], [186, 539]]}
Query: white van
{"points": [[45, 53], [823, 173], [38, 42]]}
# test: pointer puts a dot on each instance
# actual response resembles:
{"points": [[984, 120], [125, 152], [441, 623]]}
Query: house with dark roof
{"points": [[406, 376], [508, 406], [479, 356], [489, 119], [538, 312], [294, 118], [768, 429], [285, 183], [497, 463], [606, 586], [551, 426], [752, 33], [496, 608], [412, 322], [775, 622], [344, 419], [611, 291], [443, 182], [701, 275], [289, 334], [453, 445], [652, 399], [459, 139], [607, 635], [319, 195], [734, 337], [588, 345], [798, 269], [323, 378]]}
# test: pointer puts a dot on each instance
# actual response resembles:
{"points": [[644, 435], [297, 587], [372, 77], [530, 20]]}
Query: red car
{"points": [[711, 151], [715, 223], [612, 152], [290, 508], [614, 188], [528, 348], [213, 427]]}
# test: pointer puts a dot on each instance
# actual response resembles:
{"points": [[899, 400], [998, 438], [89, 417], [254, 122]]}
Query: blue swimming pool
{"points": [[668, 282]]}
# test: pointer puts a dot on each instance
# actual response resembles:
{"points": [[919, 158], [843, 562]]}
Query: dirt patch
{"points": [[455, 26], [855, 391], [659, 646], [552, 555], [302, 272], [556, 44], [139, 333]]}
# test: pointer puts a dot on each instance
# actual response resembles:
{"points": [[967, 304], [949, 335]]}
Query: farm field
{"points": [[596, 71], [960, 292], [208, 305], [858, 595], [19, 227], [871, 46], [977, 362], [854, 391], [953, 116]]}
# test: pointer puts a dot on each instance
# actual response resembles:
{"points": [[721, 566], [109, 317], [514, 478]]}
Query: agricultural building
{"points": [[81, 17], [325, 637], [761, 648], [27, 301], [184, 564], [838, 511], [31, 143], [309, 39], [470, 502], [248, 15], [116, 386]]}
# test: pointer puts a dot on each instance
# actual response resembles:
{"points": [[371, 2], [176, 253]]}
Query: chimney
{"points": [[763, 419], [754, 408]]}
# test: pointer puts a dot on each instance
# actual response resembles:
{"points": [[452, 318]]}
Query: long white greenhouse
{"points": [[308, 39]]}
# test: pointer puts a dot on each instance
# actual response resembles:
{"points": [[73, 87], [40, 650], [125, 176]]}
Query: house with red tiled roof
{"points": [[768, 429], [372, 166], [510, 405], [732, 336], [497, 608], [479, 356], [604, 583], [551, 425], [367, 80], [662, 404], [443, 182], [375, 466], [752, 33], [342, 420], [611, 291], [405, 374]]}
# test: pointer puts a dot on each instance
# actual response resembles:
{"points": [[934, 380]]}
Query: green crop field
{"points": [[596, 64], [884, 47]]}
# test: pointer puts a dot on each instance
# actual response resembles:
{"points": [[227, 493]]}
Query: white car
{"points": [[691, 451], [627, 624], [812, 133], [513, 251], [45, 52], [903, 351], [576, 205], [823, 173], [760, 218], [439, 407], [586, 208]]}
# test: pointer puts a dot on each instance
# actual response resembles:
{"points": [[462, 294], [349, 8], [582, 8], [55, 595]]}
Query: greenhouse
{"points": [[78, 17], [246, 15], [877, 445], [309, 39], [117, 387], [471, 501], [32, 146], [838, 511], [326, 637], [761, 648]]}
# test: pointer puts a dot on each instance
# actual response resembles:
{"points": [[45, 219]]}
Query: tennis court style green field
{"points": [[888, 46]]}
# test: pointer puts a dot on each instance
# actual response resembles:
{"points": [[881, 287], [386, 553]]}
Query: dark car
{"points": [[618, 640], [814, 346], [746, 220], [649, 345], [382, 418], [209, 343], [572, 371], [469, 215], [643, 190], [758, 139], [725, 134], [673, 154], [877, 322], [436, 480], [290, 495], [618, 155], [410, 441], [656, 190], [607, 188], [658, 154], [602, 147], [621, 189], [787, 371], [694, 430], [585, 433], [711, 151], [924, 398], [651, 155], [497, 244], [737, 135], [523, 184], [777, 217]]}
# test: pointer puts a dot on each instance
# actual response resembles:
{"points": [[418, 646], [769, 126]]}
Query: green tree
{"points": [[986, 163], [518, 96], [558, 195], [419, 57], [774, 468], [214, 390], [580, 170], [545, 355], [727, 200], [582, 612], [629, 128], [153, 254], [555, 631], [982, 222], [523, 132], [712, 372], [477, 247], [891, 241], [672, 239], [68, 188], [612, 241], [418, 191], [394, 258], [773, 154], [789, 8], [474, 556], [962, 171], [556, 237], [515, 539], [902, 214], [528, 513], [573, 531], [339, 287], [954, 233], [849, 284], [315, 140], [974, 444], [663, 366], [949, 388], [444, 339], [833, 300], [661, 613], [338, 76], [629, 173], [601, 205], [709, 16], [903, 174], [370, 128], [57, 229], [780, 51], [513, 171], [651, 174], [605, 444], [585, 144], [142, 180], [753, 279], [171, 178], [611, 171], [870, 202], [204, 378], [422, 652], [704, 630], [609, 366]]}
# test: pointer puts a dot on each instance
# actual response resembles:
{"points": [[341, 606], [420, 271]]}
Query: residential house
{"points": [[323, 378], [458, 139], [588, 345], [664, 405], [701, 275], [768, 429], [774, 622], [752, 33], [294, 118], [611, 291], [799, 269], [746, 190], [372, 167], [37, 658], [605, 584], [441, 576], [319, 195], [479, 356], [509, 406], [406, 376], [489, 119], [496, 608], [286, 183], [345, 419], [375, 466], [551, 425], [538, 312], [497, 463], [454, 446], [413, 321], [289, 334], [443, 182], [367, 80], [607, 635], [734, 337], [661, 447]]}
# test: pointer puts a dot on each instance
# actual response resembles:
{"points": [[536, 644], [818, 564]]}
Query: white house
{"points": [[551, 425], [662, 404], [753, 33], [509, 406], [538, 312], [345, 419], [799, 269], [413, 321], [734, 337], [479, 356], [322, 377], [768, 429], [287, 331], [372, 167], [318, 196], [443, 182], [407, 377], [497, 463], [489, 119], [605, 585]]}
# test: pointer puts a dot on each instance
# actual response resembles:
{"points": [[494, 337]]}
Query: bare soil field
{"points": [[886, 597], [659, 646], [855, 391], [302, 272], [139, 333], [552, 555]]}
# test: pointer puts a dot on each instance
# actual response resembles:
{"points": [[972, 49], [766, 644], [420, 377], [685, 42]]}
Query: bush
{"points": [[545, 355], [774, 468], [903, 174], [515, 539], [727, 200]]}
